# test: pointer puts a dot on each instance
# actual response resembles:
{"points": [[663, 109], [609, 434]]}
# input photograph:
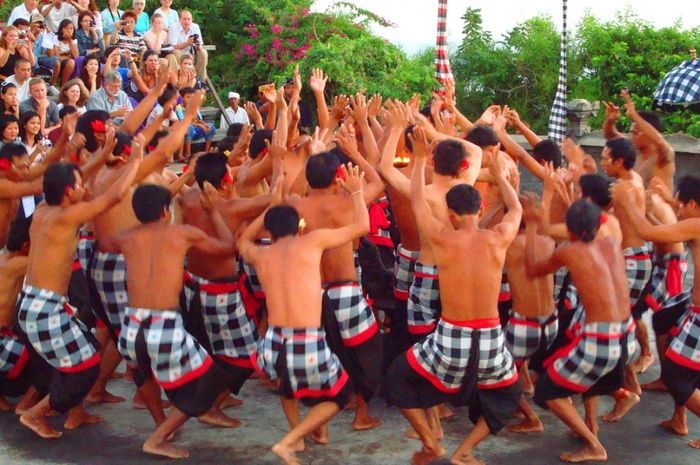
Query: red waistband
{"points": [[639, 256], [694, 308], [381, 241], [76, 265], [475, 324], [211, 287]]}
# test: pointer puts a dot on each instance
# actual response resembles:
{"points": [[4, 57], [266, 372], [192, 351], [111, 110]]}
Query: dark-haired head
{"points": [[282, 221], [482, 136], [321, 170], [66, 110], [59, 180], [155, 140], [227, 143], [689, 190], [87, 122], [168, 94], [449, 157], [463, 199], [66, 30], [18, 236], [548, 151], [234, 130], [151, 202], [652, 118], [583, 220], [596, 187], [123, 146], [9, 126], [12, 151], [257, 142], [618, 153], [211, 167]]}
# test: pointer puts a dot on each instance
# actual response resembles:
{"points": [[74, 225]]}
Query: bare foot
{"points": [[230, 402], [104, 397], [656, 385], [6, 406], [299, 446], [286, 454], [83, 418], [365, 423], [467, 459], [675, 427], [643, 363], [40, 426], [622, 406], [527, 426], [217, 418], [164, 449], [352, 404], [445, 412], [695, 444], [585, 454], [319, 436], [425, 456], [411, 434]]}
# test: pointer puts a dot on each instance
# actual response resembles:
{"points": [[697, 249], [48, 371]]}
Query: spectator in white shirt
{"points": [[24, 10], [235, 113], [169, 15], [57, 11], [186, 37], [23, 73]]}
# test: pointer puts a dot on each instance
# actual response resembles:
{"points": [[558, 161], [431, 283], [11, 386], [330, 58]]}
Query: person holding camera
{"points": [[11, 49], [157, 40], [186, 37], [125, 37], [89, 39], [57, 11]]}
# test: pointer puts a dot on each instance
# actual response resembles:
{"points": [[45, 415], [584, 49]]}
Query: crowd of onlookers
{"points": [[60, 57]]}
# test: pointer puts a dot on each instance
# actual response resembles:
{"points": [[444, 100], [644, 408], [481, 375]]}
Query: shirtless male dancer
{"points": [[680, 368], [58, 343], [294, 351], [464, 360], [153, 339], [351, 329], [596, 364]]}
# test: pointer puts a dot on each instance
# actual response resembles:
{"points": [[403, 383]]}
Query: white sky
{"points": [[416, 19]]}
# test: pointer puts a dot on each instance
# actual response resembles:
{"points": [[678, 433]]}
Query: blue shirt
{"points": [[100, 101], [143, 23]]}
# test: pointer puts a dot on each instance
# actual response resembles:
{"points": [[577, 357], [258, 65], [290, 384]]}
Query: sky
{"points": [[415, 20]]}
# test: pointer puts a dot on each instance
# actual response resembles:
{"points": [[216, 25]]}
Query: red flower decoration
{"points": [[464, 165], [264, 152], [98, 125], [5, 164], [185, 168], [339, 173], [228, 179], [126, 150], [603, 219]]}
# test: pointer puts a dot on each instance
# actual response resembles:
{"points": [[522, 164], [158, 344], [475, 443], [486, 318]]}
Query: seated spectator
{"points": [[9, 130], [89, 39], [126, 38], [113, 63], [9, 104], [56, 12], [54, 135], [142, 20], [169, 15], [143, 78], [90, 74], [30, 133], [24, 11], [23, 73], [11, 50], [110, 16], [165, 106], [74, 94], [157, 40], [185, 76], [66, 49], [90, 6], [111, 98], [235, 113], [43, 46], [199, 129], [39, 102], [186, 37]]}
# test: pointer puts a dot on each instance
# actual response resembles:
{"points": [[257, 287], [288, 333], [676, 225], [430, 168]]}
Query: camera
{"points": [[22, 33], [196, 38]]}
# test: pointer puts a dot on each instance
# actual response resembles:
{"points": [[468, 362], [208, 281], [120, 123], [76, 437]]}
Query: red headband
{"points": [[126, 150], [98, 125], [339, 173], [5, 164]]}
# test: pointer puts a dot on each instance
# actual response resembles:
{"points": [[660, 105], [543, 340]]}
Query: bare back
{"points": [[12, 271], [435, 196], [648, 167], [630, 237], [598, 271], [532, 297], [120, 217], [8, 210], [405, 219]]}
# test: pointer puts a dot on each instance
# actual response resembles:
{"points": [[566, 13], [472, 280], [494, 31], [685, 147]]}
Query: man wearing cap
{"points": [[24, 10], [234, 112]]}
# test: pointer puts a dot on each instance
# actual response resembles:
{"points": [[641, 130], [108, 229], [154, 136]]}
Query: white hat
{"points": [[234, 95]]}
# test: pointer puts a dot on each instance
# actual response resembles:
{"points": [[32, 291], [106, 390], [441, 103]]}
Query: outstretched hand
{"points": [[612, 111], [352, 179], [318, 80], [422, 149], [208, 197]]}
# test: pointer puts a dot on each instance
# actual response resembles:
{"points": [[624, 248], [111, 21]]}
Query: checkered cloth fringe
{"points": [[638, 267], [443, 71], [424, 306], [557, 117], [680, 85], [526, 335], [685, 346], [355, 318]]}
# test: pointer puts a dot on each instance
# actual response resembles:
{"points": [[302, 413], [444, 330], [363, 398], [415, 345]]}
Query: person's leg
{"points": [[678, 424], [77, 416], [624, 401], [201, 63], [524, 373], [662, 341], [35, 419], [646, 359], [464, 455], [67, 70], [593, 449], [531, 423], [216, 416], [56, 73], [420, 424], [159, 442], [693, 404], [150, 394], [291, 412], [30, 399], [590, 405], [318, 416], [209, 136], [362, 420], [110, 360]]}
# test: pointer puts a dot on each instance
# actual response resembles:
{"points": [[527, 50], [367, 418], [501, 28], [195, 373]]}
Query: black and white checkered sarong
{"points": [[526, 335], [233, 336], [13, 355], [174, 357], [404, 267], [310, 368], [424, 305], [108, 275], [55, 332], [665, 287], [86, 248], [442, 357], [680, 85], [685, 346], [557, 116], [638, 264], [355, 319]]}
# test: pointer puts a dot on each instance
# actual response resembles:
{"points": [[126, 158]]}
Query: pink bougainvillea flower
{"points": [[276, 29]]}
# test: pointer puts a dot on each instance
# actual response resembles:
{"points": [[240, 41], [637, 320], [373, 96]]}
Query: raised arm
{"points": [[347, 141], [225, 242], [397, 120], [663, 148], [533, 267], [514, 149], [317, 83], [143, 109], [360, 114], [514, 120], [428, 226], [509, 225], [612, 114], [461, 120]]}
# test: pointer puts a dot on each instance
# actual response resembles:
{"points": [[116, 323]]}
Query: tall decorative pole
{"points": [[443, 71], [557, 117]]}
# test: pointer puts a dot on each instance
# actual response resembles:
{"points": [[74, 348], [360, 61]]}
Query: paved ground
{"points": [[636, 440]]}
